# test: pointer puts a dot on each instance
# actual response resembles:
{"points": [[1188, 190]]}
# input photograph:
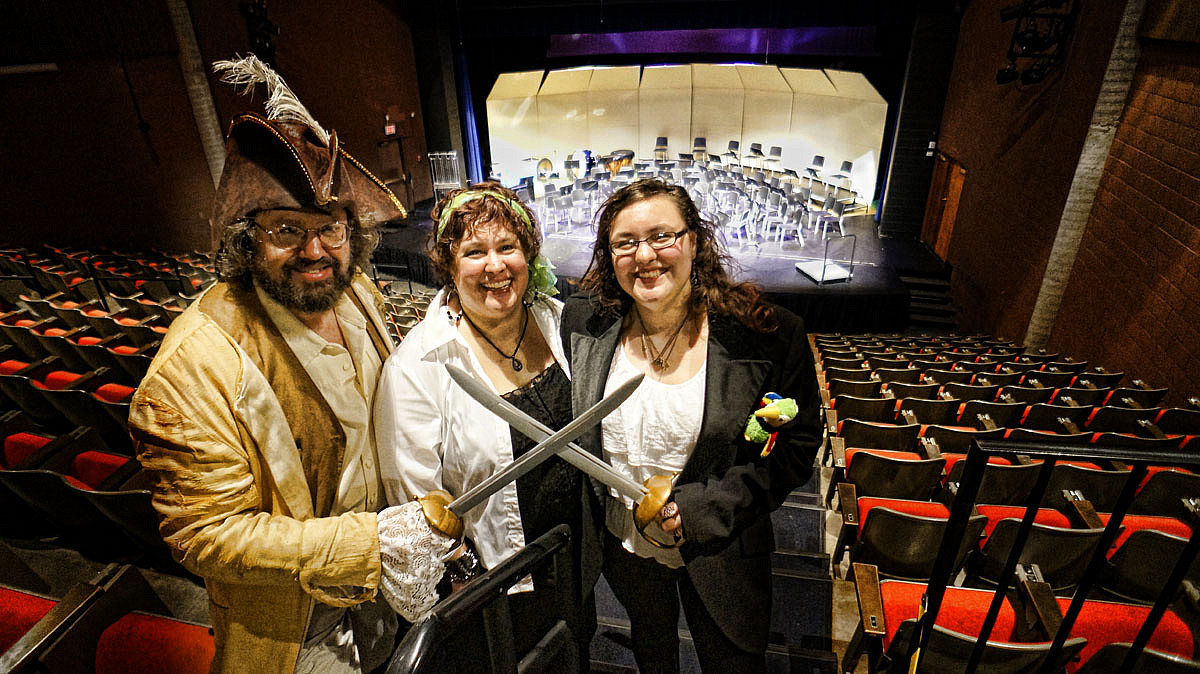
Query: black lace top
{"points": [[550, 493]]}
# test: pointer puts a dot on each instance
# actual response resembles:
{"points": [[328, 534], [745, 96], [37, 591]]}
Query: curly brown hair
{"points": [[712, 289], [462, 223]]}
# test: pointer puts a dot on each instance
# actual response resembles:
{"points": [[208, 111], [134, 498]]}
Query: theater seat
{"points": [[145, 644], [894, 605], [1109, 658], [19, 611]]}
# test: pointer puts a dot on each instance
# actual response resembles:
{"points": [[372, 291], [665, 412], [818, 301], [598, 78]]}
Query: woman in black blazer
{"points": [[658, 301]]}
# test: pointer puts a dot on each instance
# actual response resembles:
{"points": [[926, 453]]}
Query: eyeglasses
{"points": [[657, 241], [289, 237]]}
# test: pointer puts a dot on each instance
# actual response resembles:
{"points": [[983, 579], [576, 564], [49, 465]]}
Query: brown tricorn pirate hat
{"points": [[285, 159]]}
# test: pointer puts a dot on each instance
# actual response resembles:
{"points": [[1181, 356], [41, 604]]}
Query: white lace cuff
{"points": [[411, 559]]}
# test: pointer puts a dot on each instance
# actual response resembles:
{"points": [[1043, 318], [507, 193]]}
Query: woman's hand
{"points": [[670, 520]]}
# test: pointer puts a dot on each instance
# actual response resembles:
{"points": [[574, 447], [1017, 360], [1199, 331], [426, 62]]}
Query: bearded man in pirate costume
{"points": [[254, 417]]}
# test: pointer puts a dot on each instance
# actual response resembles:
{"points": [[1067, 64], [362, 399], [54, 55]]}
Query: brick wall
{"points": [[1133, 299], [1020, 145]]}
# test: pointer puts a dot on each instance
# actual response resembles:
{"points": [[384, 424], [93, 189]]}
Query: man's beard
{"points": [[301, 296]]}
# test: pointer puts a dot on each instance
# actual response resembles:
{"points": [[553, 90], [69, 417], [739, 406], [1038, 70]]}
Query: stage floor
{"points": [[873, 300]]}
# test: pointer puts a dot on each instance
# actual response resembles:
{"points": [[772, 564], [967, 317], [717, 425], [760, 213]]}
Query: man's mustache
{"points": [[309, 265]]}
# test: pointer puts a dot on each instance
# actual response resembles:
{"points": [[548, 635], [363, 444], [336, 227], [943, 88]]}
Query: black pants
{"points": [[651, 594]]}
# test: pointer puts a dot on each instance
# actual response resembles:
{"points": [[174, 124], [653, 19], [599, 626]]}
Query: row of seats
{"points": [[110, 623], [898, 468], [902, 538], [71, 491], [1097, 643]]}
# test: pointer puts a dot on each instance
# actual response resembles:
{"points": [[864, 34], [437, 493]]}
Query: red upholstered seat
{"points": [[920, 508], [124, 348], [12, 366], [995, 513], [890, 453], [77, 483], [1102, 622], [20, 446], [93, 468], [1132, 523], [954, 457], [18, 613], [144, 644], [963, 609], [114, 393], [58, 380]]}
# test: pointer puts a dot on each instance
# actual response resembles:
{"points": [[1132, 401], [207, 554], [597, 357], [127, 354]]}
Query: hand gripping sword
{"points": [[650, 497]]}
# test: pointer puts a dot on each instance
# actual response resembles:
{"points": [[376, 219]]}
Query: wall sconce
{"points": [[1039, 39]]}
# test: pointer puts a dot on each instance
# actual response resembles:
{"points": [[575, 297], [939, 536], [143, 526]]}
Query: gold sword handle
{"points": [[658, 493], [438, 516]]}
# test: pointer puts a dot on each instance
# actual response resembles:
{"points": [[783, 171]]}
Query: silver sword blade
{"points": [[549, 442]]}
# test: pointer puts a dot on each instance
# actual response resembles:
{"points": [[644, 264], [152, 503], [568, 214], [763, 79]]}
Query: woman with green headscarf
{"points": [[495, 319]]}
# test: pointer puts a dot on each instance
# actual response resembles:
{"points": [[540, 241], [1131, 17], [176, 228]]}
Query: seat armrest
{"points": [[1081, 511], [848, 501], [929, 447], [870, 599], [1039, 615], [1150, 426], [1068, 424], [838, 446], [831, 420]]}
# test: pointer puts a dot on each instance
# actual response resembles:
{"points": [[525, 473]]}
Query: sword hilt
{"points": [[658, 493], [440, 518]]}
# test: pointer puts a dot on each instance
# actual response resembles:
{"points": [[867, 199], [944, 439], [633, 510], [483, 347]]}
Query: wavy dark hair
{"points": [[235, 253], [712, 289], [472, 214]]}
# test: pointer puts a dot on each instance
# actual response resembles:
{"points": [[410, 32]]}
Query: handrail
{"points": [[1050, 454], [415, 651]]}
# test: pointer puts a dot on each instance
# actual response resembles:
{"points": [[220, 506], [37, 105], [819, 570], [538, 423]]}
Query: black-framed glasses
{"points": [[289, 237], [657, 241]]}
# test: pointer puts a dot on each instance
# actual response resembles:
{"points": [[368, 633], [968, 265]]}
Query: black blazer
{"points": [[726, 491]]}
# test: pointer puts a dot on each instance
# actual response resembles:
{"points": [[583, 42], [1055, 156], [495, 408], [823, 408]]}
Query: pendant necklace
{"points": [[660, 359], [517, 365]]}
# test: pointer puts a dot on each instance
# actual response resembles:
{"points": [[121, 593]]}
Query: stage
{"points": [[872, 300]]}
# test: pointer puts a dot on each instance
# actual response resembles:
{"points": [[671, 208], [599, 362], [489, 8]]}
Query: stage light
{"points": [[1007, 74]]}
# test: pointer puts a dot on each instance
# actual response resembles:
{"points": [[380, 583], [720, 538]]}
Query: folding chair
{"points": [[1025, 394], [902, 538], [1062, 554], [1047, 417], [889, 612], [970, 391], [1136, 397], [1122, 420], [927, 391], [929, 411], [880, 410], [1002, 415], [1100, 487], [1163, 494]]}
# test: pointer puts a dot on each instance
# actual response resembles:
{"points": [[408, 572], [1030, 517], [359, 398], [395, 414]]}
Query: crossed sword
{"points": [[650, 496]]}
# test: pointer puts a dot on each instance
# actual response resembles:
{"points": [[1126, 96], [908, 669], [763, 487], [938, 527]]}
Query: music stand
{"points": [[823, 271]]}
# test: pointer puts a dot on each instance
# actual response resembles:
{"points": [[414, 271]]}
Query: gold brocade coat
{"points": [[230, 485]]}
